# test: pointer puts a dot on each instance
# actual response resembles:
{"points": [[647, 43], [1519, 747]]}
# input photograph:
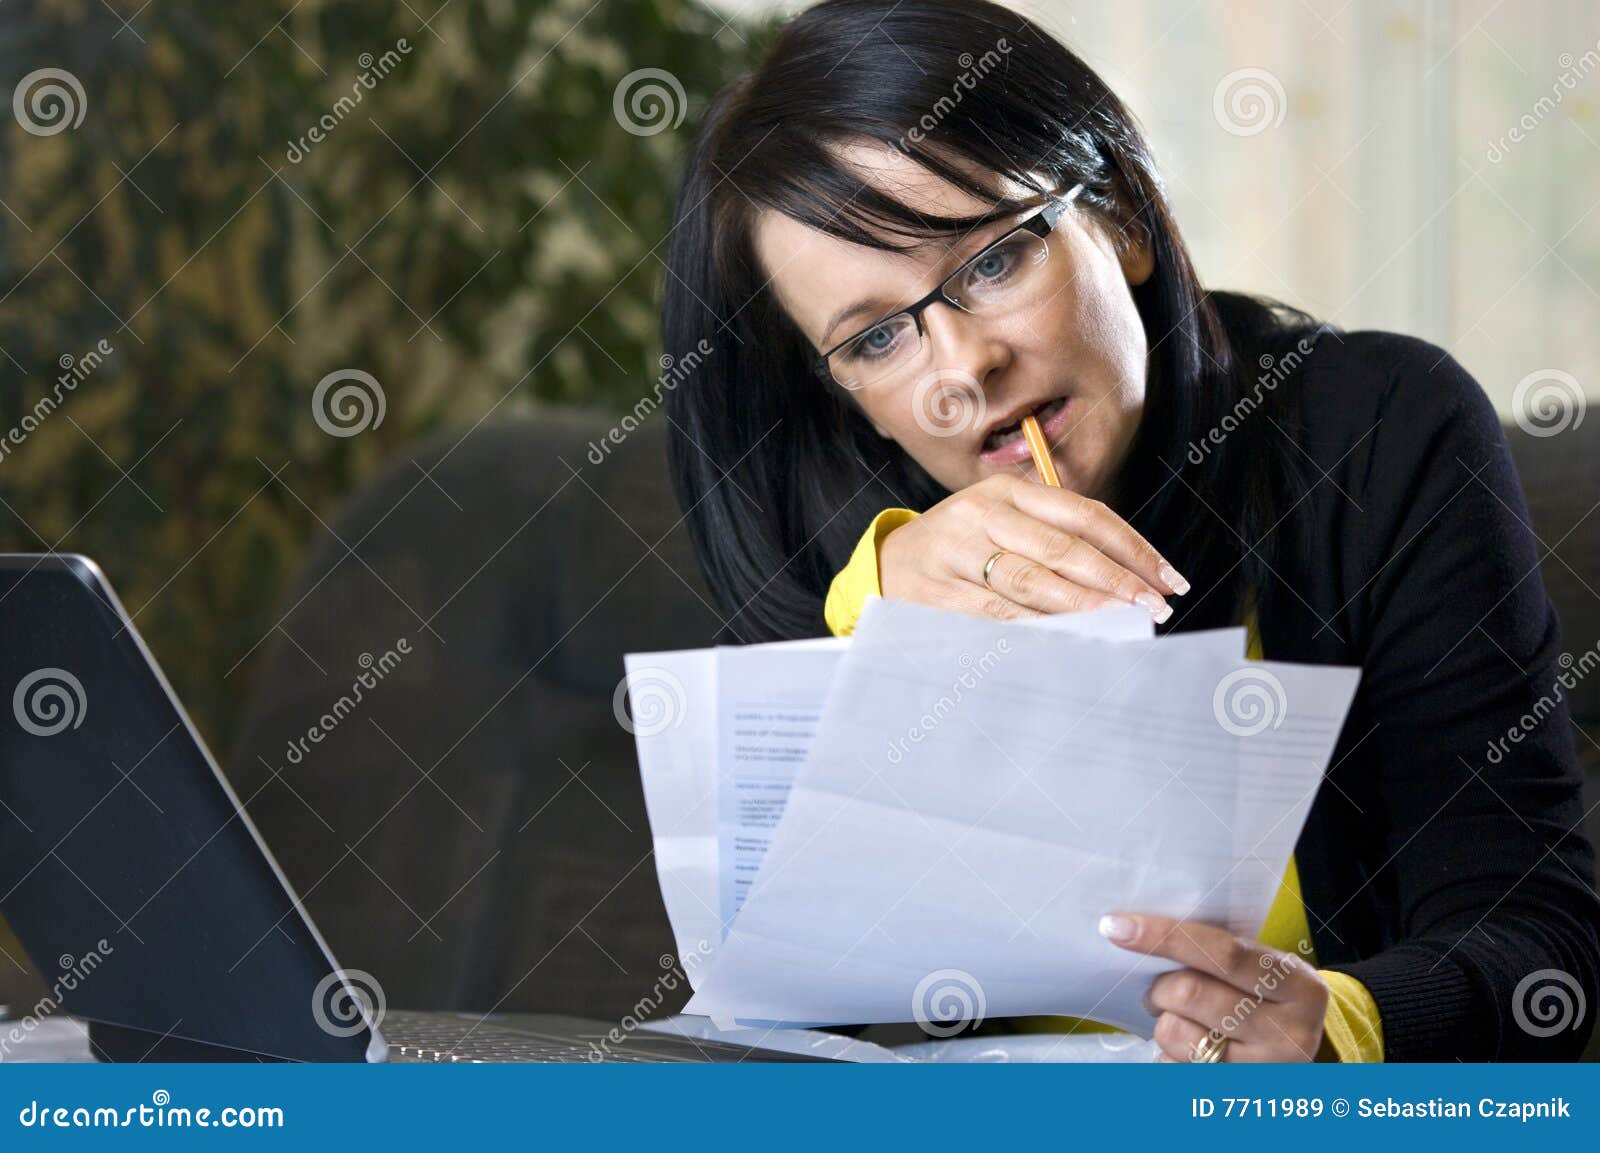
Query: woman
{"points": [[918, 222]]}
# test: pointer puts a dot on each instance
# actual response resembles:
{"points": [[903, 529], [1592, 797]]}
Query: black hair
{"points": [[778, 472]]}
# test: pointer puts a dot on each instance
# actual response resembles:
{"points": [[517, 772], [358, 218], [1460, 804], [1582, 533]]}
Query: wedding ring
{"points": [[988, 567], [1210, 1050]]}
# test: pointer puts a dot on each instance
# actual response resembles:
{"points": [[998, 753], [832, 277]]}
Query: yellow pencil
{"points": [[1041, 451]]}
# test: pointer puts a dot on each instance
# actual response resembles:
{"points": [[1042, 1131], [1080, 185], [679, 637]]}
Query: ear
{"points": [[1138, 261]]}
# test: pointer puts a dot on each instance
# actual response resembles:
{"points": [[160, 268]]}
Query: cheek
{"points": [[1107, 340], [893, 413], [945, 458]]}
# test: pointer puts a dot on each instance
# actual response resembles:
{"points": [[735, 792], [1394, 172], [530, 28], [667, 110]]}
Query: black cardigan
{"points": [[1436, 872]]}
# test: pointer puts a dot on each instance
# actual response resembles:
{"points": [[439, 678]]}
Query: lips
{"points": [[1010, 432]]}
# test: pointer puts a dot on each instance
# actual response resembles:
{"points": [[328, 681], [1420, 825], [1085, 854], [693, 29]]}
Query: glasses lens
{"points": [[876, 353], [1007, 274]]}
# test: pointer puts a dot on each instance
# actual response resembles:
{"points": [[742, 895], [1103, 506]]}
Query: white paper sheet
{"points": [[692, 771], [674, 709], [983, 832], [770, 709]]}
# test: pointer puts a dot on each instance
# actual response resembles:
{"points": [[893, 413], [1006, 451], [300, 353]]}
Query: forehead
{"points": [[814, 274]]}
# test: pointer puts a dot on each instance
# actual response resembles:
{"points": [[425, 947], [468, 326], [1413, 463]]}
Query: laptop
{"points": [[147, 900]]}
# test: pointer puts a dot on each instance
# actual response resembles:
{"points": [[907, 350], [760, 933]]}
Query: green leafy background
{"points": [[480, 233]]}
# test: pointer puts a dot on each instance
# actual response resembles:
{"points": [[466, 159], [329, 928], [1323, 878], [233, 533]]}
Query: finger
{"points": [[1102, 528], [1177, 1036], [976, 599], [1072, 557], [1203, 999], [1209, 948], [1026, 582]]}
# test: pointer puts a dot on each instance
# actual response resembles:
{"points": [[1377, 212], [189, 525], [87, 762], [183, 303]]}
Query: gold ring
{"points": [[1210, 1049], [988, 567]]}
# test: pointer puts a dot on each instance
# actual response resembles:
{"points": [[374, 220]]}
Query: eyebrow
{"points": [[872, 305], [875, 306]]}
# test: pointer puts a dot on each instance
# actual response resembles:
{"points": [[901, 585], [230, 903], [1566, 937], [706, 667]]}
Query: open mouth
{"points": [[1003, 436]]}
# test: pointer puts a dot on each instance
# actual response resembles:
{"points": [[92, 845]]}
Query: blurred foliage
{"points": [[478, 231]]}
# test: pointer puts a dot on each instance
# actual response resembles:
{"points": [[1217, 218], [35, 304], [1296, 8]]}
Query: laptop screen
{"points": [[128, 869]]}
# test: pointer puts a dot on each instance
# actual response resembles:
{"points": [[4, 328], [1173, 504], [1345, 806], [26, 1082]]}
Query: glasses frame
{"points": [[1040, 224]]}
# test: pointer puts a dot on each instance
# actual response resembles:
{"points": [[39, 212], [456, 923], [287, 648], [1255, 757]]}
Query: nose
{"points": [[960, 341]]}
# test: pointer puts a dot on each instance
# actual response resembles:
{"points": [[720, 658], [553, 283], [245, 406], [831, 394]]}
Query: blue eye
{"points": [[881, 342], [997, 263], [878, 339], [991, 264]]}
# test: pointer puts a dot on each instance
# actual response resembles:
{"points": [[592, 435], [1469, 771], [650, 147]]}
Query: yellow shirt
{"points": [[1352, 1028]]}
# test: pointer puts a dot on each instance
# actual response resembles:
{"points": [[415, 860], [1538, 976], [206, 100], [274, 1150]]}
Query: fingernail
{"points": [[1159, 609], [1114, 928], [1173, 579]]}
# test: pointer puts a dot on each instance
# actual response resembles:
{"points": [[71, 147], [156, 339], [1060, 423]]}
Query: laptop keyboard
{"points": [[432, 1037]]}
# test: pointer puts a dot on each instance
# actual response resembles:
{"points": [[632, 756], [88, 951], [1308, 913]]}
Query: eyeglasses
{"points": [[1009, 275]]}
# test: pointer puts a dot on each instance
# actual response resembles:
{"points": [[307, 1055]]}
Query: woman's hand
{"points": [[1063, 553], [1268, 1003]]}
